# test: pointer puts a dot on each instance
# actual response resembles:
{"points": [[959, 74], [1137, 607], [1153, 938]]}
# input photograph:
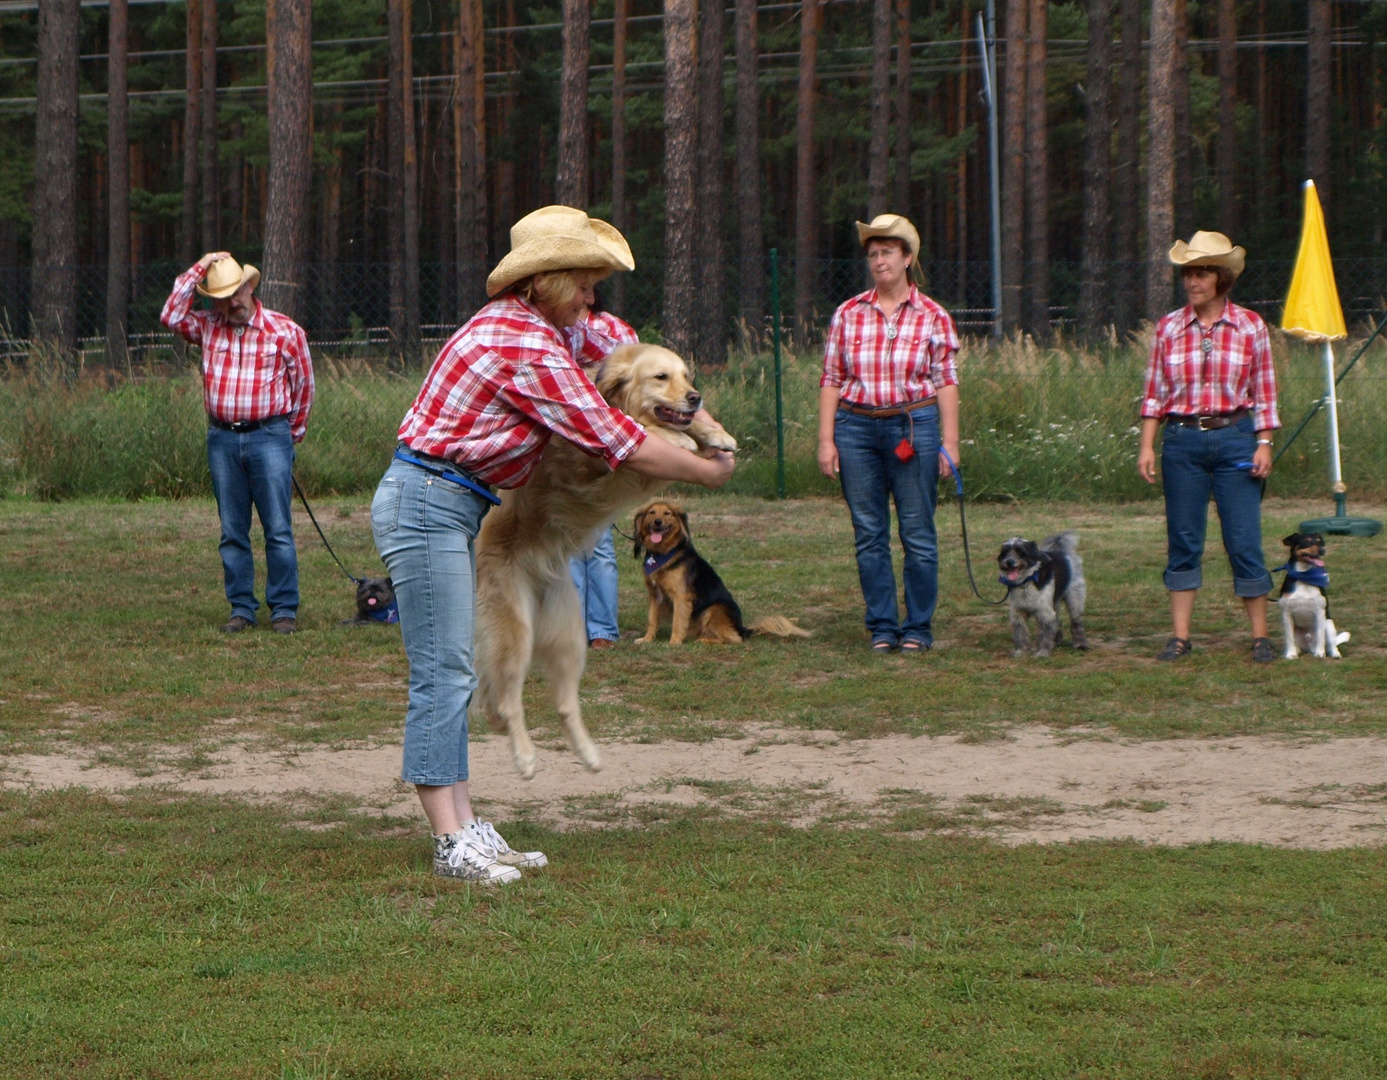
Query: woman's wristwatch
{"points": [[1265, 442]]}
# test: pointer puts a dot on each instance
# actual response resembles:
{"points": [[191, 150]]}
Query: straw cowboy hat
{"points": [[559, 238], [1208, 249], [893, 226], [225, 276]]}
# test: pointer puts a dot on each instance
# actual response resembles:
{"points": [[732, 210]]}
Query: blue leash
{"points": [[963, 523], [457, 478]]}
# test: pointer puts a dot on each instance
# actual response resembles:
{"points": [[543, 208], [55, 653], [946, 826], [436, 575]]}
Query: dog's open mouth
{"points": [[673, 417], [1306, 557], [1013, 573]]}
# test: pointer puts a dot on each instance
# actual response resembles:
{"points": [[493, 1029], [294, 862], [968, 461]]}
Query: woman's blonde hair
{"points": [[556, 288], [917, 275]]}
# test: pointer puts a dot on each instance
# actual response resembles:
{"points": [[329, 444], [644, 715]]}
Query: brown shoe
{"points": [[284, 626], [236, 624], [602, 643]]}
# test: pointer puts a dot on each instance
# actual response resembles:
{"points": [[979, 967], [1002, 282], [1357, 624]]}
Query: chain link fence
{"points": [[348, 311]]}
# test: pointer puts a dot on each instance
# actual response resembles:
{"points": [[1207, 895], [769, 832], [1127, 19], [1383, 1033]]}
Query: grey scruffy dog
{"points": [[1039, 579]]}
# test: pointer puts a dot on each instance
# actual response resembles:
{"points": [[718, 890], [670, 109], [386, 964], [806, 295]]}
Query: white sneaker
{"points": [[457, 856], [483, 834]]}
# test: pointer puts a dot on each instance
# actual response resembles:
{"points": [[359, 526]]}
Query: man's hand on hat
{"points": [[212, 257]]}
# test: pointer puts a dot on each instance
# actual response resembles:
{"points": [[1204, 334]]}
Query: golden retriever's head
{"points": [[660, 526], [651, 385]]}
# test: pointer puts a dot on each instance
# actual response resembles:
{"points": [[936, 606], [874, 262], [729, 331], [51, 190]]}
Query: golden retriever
{"points": [[683, 584], [527, 607]]}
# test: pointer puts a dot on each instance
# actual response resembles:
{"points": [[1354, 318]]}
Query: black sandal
{"points": [[1175, 648], [883, 645], [1262, 652]]}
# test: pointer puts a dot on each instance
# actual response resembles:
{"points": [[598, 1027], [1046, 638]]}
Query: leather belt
{"points": [[1210, 422], [240, 427], [881, 412]]}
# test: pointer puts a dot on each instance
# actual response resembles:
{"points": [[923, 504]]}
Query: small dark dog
{"points": [[375, 602], [1038, 580], [680, 581], [1304, 603]]}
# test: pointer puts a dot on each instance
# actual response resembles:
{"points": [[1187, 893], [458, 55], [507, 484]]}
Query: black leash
{"points": [[963, 522], [304, 498]]}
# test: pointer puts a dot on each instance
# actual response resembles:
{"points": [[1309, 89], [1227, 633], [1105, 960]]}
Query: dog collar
{"points": [[653, 562], [388, 614], [1032, 579], [1317, 576]]}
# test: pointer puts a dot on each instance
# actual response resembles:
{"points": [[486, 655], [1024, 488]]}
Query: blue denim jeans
{"points": [[1193, 464], [425, 529], [595, 576], [872, 474], [256, 467]]}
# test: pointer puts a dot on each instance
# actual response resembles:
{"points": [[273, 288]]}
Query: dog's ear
{"points": [[683, 516], [1290, 540], [637, 535], [390, 584]]}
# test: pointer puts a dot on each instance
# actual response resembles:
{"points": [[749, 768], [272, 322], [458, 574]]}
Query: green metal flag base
{"points": [[1341, 524]]}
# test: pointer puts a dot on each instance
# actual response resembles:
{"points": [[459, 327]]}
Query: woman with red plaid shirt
{"points": [[888, 427], [1212, 387], [506, 383]]}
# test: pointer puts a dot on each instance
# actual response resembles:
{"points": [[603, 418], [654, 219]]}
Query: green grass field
{"points": [[149, 934]]}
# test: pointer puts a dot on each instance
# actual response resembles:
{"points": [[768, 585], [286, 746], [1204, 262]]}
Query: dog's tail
{"points": [[778, 626], [1341, 638], [1067, 542]]}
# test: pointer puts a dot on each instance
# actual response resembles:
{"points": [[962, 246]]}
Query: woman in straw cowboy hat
{"points": [[506, 382], [1211, 385], [888, 407]]}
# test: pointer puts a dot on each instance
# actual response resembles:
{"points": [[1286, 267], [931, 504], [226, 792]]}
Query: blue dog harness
{"points": [[1317, 576], [654, 563]]}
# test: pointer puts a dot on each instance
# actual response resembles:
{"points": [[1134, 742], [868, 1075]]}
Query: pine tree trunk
{"points": [[1160, 161], [1184, 136], [1317, 89], [330, 248], [404, 186], [1097, 284], [1038, 172], [54, 276], [751, 254], [681, 148], [118, 184], [211, 234], [1014, 166], [712, 277], [806, 266], [289, 44], [879, 147], [571, 176], [1227, 153], [469, 126], [1128, 275], [192, 132], [620, 12], [903, 145]]}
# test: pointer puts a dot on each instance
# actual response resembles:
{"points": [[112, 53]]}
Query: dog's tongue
{"points": [[370, 601], [1014, 573], [1314, 562], [656, 537]]}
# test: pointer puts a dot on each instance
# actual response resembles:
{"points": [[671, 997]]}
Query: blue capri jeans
{"points": [[425, 530], [1193, 464]]}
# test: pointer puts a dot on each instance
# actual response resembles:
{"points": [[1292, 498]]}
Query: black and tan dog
{"points": [[681, 582]]}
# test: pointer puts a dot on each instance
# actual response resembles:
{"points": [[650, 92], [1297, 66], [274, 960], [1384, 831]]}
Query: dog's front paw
{"points": [[1017, 654], [645, 640], [713, 437]]}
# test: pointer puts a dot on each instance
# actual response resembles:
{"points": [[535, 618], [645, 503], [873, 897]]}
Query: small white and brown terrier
{"points": [[1039, 578], [1304, 601]]}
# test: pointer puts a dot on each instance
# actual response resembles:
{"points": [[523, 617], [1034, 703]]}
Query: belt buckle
{"points": [[1206, 422]]}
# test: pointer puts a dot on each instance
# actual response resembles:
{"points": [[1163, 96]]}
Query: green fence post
{"points": [[779, 398]]}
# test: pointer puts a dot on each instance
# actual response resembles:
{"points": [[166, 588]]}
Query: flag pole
{"points": [[1336, 469]]}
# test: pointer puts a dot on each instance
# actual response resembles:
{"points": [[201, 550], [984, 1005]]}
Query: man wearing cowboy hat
{"points": [[257, 387]]}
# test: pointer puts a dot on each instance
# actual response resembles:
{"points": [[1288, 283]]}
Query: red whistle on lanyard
{"points": [[905, 450]]}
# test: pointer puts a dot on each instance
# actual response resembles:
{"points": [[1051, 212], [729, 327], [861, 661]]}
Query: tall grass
{"points": [[1056, 422]]}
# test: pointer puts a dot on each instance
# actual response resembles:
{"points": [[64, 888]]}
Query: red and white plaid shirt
{"points": [[870, 366], [606, 332], [250, 372], [1236, 371], [502, 386]]}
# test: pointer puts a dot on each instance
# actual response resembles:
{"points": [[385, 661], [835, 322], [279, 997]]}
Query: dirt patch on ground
{"points": [[1034, 786]]}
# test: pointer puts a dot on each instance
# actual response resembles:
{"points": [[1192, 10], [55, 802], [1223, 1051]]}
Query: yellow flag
{"points": [[1312, 306]]}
